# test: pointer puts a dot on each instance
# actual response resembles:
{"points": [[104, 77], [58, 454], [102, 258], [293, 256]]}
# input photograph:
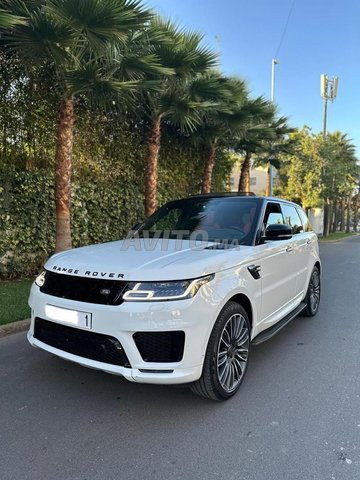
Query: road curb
{"points": [[14, 327], [321, 240]]}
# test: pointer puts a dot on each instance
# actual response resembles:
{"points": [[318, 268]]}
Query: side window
{"points": [[304, 220], [272, 215], [275, 218], [292, 218]]}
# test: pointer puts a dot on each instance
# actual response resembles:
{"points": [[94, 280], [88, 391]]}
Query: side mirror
{"points": [[278, 231]]}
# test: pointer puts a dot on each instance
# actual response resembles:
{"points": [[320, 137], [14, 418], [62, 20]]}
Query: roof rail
{"points": [[225, 194]]}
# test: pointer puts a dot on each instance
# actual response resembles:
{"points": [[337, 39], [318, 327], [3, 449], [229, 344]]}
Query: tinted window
{"points": [[304, 220], [275, 218], [222, 219], [272, 215], [168, 221], [292, 218]]}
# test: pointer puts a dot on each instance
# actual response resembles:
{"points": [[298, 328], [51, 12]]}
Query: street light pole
{"points": [[271, 169], [273, 63]]}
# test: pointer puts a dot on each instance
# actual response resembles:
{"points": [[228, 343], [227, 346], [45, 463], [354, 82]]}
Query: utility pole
{"points": [[328, 90], [218, 44], [271, 169]]}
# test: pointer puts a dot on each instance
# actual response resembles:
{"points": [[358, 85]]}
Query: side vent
{"points": [[255, 271]]}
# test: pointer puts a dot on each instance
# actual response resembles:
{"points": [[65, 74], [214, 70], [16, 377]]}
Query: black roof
{"points": [[240, 194], [224, 194]]}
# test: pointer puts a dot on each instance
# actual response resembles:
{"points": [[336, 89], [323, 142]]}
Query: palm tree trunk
{"points": [[326, 218], [356, 211], [244, 180], [208, 169], [64, 146], [335, 219], [348, 213], [335, 216], [331, 214], [342, 216], [267, 188], [154, 141]]}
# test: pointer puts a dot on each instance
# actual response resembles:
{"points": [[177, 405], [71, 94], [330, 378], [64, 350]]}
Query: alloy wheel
{"points": [[233, 352], [314, 291]]}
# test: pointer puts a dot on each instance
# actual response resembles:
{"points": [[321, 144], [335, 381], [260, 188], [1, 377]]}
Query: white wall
{"points": [[316, 217]]}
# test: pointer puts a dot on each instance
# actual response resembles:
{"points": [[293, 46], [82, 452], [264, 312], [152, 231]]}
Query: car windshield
{"points": [[213, 219]]}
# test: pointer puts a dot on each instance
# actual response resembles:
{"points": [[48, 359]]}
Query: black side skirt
{"points": [[270, 332]]}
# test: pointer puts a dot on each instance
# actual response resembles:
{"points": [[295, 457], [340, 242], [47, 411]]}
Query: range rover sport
{"points": [[185, 296]]}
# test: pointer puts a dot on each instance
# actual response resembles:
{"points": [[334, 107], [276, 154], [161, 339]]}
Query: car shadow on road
{"points": [[76, 384]]}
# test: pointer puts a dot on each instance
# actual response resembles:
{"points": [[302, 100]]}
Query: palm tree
{"points": [[274, 144], [181, 93], [260, 114], [220, 123], [82, 40], [249, 145]]}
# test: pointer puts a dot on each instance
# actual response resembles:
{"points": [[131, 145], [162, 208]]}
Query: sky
{"points": [[322, 36]]}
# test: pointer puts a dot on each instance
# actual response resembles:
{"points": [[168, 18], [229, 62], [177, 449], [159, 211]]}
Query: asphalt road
{"points": [[296, 417]]}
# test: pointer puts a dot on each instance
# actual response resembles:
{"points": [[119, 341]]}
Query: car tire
{"points": [[227, 355], [313, 294]]}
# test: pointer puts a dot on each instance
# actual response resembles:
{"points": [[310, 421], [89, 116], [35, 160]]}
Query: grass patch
{"points": [[13, 300], [337, 236]]}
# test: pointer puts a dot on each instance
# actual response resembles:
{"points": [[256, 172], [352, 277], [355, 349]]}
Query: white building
{"points": [[258, 178]]}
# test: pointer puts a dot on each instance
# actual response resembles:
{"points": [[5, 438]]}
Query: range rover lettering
{"points": [[185, 297]]}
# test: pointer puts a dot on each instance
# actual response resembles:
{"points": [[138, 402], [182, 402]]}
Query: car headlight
{"points": [[40, 279], [174, 290]]}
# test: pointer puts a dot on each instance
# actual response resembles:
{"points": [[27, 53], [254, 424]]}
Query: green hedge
{"points": [[102, 210]]}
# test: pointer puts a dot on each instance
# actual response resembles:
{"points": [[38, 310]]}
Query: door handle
{"points": [[290, 249], [308, 242]]}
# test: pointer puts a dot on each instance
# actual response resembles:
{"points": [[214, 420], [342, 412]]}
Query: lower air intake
{"points": [[91, 345], [160, 347]]}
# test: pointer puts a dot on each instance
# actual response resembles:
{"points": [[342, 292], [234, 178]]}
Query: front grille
{"points": [[94, 346], [90, 290], [160, 347]]}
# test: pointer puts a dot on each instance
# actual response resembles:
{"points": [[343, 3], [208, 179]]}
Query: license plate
{"points": [[69, 317]]}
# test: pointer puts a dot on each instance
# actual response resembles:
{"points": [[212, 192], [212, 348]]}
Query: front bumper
{"points": [[195, 317]]}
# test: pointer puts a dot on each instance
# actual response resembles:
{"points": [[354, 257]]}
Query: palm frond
{"points": [[148, 64], [97, 83], [180, 49], [42, 37], [22, 8], [165, 30], [100, 21], [210, 87], [182, 111], [8, 20], [93, 73]]}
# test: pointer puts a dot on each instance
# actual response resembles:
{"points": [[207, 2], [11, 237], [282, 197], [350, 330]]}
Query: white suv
{"points": [[184, 297]]}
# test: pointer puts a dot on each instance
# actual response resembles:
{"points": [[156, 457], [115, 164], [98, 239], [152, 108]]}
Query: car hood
{"points": [[147, 261]]}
